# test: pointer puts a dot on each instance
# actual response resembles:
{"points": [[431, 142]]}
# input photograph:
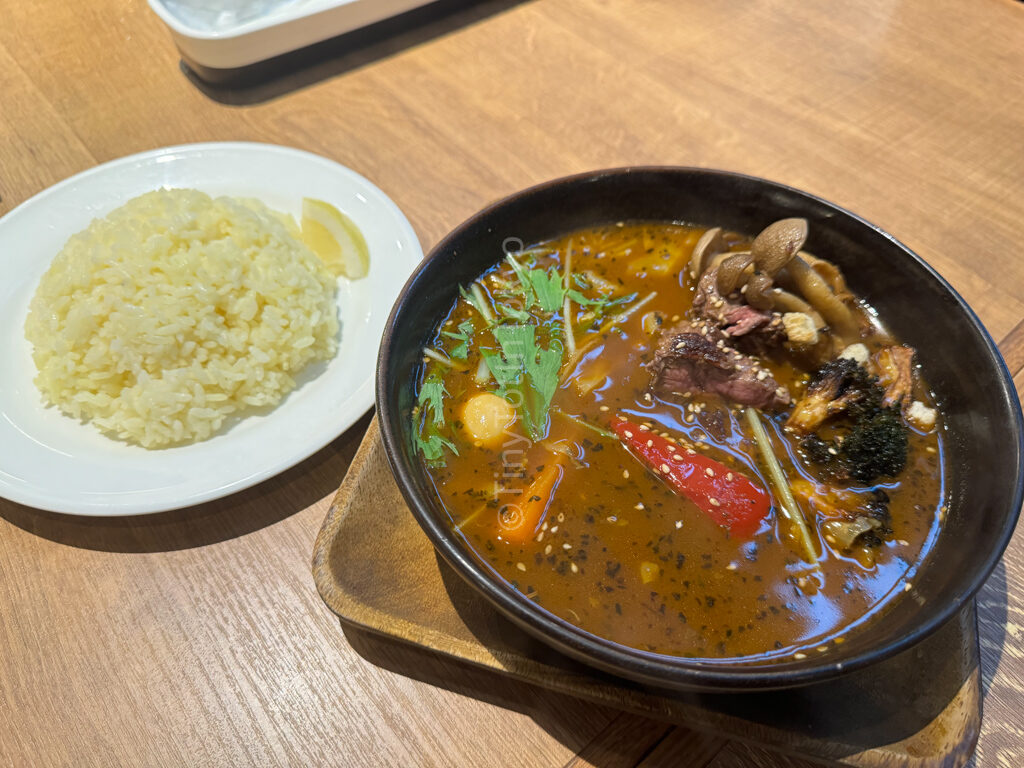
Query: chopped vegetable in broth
{"points": [[686, 441]]}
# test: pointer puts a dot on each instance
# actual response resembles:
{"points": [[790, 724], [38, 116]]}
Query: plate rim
{"points": [[361, 396]]}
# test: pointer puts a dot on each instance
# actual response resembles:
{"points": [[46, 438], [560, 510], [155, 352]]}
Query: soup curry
{"points": [[683, 440]]}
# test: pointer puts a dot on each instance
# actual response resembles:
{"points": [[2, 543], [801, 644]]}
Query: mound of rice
{"points": [[177, 311]]}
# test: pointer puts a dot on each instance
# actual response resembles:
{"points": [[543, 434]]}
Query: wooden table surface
{"points": [[196, 637]]}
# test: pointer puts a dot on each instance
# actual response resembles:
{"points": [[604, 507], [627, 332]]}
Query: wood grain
{"points": [[197, 637]]}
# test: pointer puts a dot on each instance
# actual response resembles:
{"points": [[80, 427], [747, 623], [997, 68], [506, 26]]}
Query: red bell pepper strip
{"points": [[728, 497]]}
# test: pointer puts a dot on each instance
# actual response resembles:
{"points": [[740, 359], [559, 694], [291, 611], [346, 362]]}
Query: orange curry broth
{"points": [[619, 553]]}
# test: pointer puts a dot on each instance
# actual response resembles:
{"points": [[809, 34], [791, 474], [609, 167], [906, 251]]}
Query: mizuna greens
{"points": [[522, 326]]}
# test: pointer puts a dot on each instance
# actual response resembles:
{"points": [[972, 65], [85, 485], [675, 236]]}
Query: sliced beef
{"points": [[735, 317], [697, 358]]}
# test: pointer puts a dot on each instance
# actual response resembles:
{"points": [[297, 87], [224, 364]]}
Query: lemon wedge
{"points": [[335, 239]]}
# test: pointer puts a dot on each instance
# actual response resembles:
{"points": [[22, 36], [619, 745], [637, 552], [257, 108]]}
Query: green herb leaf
{"points": [[527, 369], [511, 313], [432, 398], [548, 288], [428, 417], [432, 447], [541, 288], [602, 303], [464, 336], [505, 373]]}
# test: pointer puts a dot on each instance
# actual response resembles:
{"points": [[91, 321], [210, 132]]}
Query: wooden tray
{"points": [[377, 570]]}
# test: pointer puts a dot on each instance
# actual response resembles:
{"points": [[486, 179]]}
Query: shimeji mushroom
{"points": [[776, 256]]}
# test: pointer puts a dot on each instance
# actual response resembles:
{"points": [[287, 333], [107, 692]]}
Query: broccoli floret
{"points": [[875, 440], [876, 446], [817, 450]]}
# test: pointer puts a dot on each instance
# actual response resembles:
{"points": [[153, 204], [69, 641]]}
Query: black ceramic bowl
{"points": [[985, 441]]}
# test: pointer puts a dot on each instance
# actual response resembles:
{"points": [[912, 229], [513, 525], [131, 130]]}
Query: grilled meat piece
{"points": [[695, 358], [735, 317]]}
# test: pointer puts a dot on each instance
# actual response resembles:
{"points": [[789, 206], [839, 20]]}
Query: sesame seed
{"points": [[567, 546], [640, 505], [561, 517], [574, 568], [554, 528], [715, 502], [650, 443], [799, 655], [839, 640], [544, 525], [664, 468], [675, 318], [679, 523], [729, 476], [677, 457], [547, 550], [731, 567], [821, 648], [625, 474], [709, 472], [540, 536], [907, 587], [611, 518], [627, 433], [520, 566], [603, 408], [691, 452]]}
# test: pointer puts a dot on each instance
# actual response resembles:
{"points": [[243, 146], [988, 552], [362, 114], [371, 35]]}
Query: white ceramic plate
{"points": [[53, 462]]}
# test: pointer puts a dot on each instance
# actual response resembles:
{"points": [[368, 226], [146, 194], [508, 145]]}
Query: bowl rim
{"points": [[651, 668]]}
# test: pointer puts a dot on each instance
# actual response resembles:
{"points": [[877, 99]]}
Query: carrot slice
{"points": [[519, 521]]}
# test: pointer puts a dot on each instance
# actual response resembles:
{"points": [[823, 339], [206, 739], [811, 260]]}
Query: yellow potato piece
{"points": [[486, 417]]}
